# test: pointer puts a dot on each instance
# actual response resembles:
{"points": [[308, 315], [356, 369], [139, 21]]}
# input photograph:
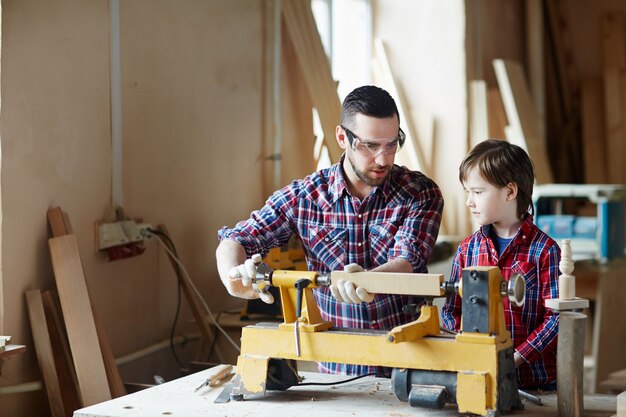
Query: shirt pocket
{"points": [[529, 271], [328, 246], [382, 238]]}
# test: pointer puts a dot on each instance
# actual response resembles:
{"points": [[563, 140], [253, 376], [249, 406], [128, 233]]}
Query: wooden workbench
{"points": [[365, 397]]}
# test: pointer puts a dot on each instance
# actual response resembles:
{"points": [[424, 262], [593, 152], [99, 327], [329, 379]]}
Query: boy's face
{"points": [[490, 204]]}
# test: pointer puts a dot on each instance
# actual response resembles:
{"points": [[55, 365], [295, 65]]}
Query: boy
{"points": [[498, 179]]}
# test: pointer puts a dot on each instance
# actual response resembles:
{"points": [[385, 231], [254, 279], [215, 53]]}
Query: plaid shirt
{"points": [[533, 327], [399, 219]]}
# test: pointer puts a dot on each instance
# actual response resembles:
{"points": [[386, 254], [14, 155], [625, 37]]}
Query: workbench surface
{"points": [[364, 397]]}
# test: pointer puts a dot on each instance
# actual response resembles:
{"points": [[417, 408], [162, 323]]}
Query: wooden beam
{"points": [[302, 30], [411, 155], [59, 222], [497, 116], [60, 225], [81, 328], [535, 42], [594, 146], [43, 349], [479, 114], [614, 62], [522, 116], [61, 351]]}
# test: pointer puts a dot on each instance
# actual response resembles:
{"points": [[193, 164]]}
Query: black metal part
{"points": [[281, 374], [475, 301], [448, 288], [433, 389], [508, 394], [429, 396], [411, 309], [300, 285], [403, 380]]}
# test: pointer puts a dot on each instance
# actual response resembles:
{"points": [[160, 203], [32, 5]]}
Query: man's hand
{"points": [[346, 292], [245, 272]]}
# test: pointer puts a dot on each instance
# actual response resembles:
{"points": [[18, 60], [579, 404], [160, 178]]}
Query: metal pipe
{"points": [[20, 388], [164, 344]]}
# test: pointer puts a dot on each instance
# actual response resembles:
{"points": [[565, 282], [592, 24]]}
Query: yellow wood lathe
{"points": [[473, 368]]}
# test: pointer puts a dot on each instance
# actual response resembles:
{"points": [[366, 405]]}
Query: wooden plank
{"points": [[613, 36], [81, 329], [614, 124], [522, 115], [614, 62], [564, 67], [58, 221], [608, 340], [61, 351], [393, 282], [43, 349], [302, 31], [114, 379], [479, 114], [60, 226], [497, 115], [594, 147], [535, 52], [411, 155]]}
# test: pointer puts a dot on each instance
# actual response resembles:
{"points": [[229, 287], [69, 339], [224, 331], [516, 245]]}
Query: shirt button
{"points": [[523, 236], [326, 239], [360, 216], [359, 244]]}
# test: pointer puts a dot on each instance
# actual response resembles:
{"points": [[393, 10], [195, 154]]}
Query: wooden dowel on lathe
{"points": [[393, 282]]}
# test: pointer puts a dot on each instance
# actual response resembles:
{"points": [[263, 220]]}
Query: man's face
{"points": [[373, 150]]}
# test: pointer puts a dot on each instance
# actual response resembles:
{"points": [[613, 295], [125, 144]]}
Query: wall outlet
{"points": [[121, 233]]}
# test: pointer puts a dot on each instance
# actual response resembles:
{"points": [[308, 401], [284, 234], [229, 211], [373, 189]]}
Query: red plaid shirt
{"points": [[399, 219], [533, 327]]}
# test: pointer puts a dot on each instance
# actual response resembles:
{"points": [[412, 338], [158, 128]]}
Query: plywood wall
{"points": [[192, 91]]}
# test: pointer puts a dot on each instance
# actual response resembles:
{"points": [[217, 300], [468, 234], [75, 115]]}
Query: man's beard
{"points": [[361, 175]]}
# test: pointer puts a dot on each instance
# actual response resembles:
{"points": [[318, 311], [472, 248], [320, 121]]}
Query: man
{"points": [[361, 213]]}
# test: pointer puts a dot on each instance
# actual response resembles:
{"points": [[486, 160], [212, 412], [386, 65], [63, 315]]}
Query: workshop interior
{"points": [[132, 132]]}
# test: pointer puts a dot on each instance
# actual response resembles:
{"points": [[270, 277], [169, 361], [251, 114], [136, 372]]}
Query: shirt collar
{"points": [[525, 231]]}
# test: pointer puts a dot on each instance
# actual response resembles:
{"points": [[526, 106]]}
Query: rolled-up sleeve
{"points": [[417, 236], [267, 228]]}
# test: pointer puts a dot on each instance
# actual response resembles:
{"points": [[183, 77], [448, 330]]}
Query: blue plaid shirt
{"points": [[399, 219], [533, 327]]}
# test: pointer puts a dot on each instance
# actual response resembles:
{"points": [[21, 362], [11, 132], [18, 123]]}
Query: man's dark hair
{"points": [[501, 163], [368, 100]]}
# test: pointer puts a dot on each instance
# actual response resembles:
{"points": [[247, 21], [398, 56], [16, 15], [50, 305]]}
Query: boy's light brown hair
{"points": [[500, 163]]}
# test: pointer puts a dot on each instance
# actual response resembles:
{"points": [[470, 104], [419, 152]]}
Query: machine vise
{"points": [[473, 369]]}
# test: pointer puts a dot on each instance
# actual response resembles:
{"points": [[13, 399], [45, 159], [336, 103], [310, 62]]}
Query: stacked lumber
{"points": [[314, 65], [73, 352]]}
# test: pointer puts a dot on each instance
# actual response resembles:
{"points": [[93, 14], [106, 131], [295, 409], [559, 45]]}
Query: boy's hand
{"points": [[346, 292]]}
